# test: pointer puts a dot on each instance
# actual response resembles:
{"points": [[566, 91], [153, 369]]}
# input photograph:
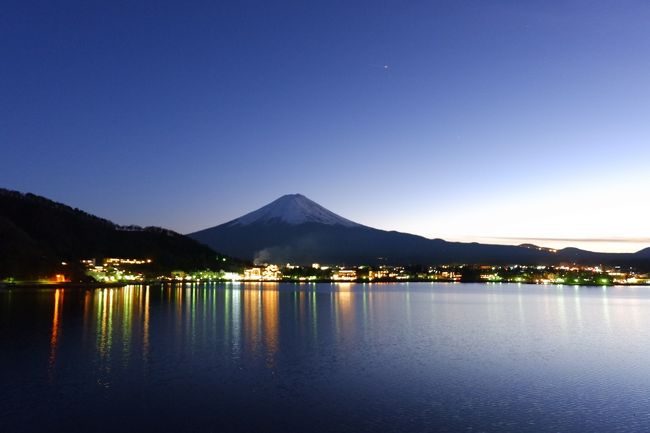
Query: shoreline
{"points": [[100, 285], [64, 285]]}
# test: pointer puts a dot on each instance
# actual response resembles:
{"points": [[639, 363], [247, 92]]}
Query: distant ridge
{"points": [[295, 229], [644, 252], [537, 247]]}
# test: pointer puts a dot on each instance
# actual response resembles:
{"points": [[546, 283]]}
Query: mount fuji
{"points": [[295, 229], [293, 209]]}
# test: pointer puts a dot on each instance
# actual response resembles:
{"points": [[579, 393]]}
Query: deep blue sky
{"points": [[495, 120]]}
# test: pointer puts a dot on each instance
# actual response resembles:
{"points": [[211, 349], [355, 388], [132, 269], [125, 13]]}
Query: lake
{"points": [[411, 357]]}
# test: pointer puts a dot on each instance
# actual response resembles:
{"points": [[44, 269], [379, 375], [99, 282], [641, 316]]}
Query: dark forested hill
{"points": [[37, 234]]}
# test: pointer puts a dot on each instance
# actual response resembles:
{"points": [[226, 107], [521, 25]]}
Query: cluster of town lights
{"points": [[115, 270]]}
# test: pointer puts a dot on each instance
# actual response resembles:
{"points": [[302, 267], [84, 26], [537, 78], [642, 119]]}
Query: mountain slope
{"points": [[293, 229], [644, 253], [37, 234], [312, 242]]}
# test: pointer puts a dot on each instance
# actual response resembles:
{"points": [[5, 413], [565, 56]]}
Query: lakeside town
{"points": [[115, 271]]}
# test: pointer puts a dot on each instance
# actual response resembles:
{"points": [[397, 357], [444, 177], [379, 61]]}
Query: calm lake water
{"points": [[339, 357]]}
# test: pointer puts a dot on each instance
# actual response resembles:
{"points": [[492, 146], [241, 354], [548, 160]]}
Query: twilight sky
{"points": [[495, 121]]}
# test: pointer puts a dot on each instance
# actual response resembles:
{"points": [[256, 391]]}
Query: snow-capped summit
{"points": [[293, 209]]}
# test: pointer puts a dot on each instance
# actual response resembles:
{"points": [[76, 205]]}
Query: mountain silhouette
{"points": [[295, 229]]}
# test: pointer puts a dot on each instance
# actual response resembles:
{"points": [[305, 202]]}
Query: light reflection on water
{"points": [[54, 340], [359, 357]]}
